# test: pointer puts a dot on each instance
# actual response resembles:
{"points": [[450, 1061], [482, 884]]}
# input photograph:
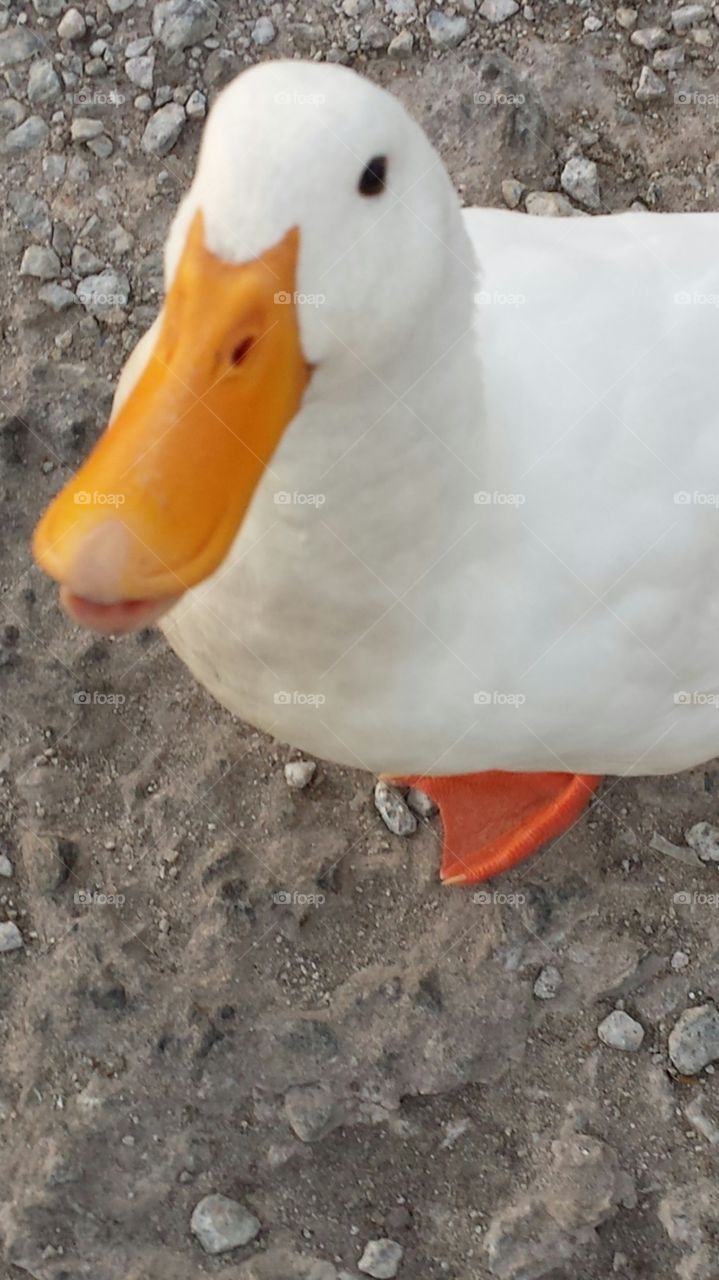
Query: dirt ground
{"points": [[366, 1056]]}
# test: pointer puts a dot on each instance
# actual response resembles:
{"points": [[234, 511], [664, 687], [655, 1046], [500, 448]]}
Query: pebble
{"points": [[619, 1031], [688, 16], [650, 86], [43, 83], [549, 204], [140, 70], [512, 192], [84, 262], [221, 1224], [394, 810], [72, 25], [375, 36], [180, 23], [298, 773], [420, 803], [668, 59], [163, 129], [593, 23], [84, 127], [263, 32], [694, 1040], [498, 10], [310, 1110], [650, 38], [446, 32], [40, 261], [680, 960], [704, 839], [196, 105], [6, 867], [17, 45], [402, 45], [27, 135], [547, 983], [32, 212], [626, 17], [56, 297], [101, 292], [381, 1259], [580, 180], [355, 8], [10, 937]]}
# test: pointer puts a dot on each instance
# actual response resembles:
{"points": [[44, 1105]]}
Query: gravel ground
{"points": [[245, 1033]]}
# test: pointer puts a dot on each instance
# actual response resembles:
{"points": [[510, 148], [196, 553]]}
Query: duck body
{"points": [[500, 570], [425, 491]]}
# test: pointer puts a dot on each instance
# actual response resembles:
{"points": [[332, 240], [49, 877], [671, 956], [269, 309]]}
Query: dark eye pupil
{"points": [[373, 179]]}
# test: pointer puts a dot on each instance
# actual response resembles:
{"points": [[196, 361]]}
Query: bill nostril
{"points": [[241, 350]]}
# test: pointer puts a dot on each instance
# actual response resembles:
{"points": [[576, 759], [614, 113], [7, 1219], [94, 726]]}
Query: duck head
{"points": [[316, 227]]}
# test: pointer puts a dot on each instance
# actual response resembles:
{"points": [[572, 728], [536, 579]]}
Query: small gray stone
{"points": [[704, 839], [6, 867], [41, 262], [355, 8], [196, 105], [405, 10], [17, 45], [84, 127], [263, 32], [100, 146], [163, 129], [393, 810], [381, 1259], [56, 297], [119, 6], [28, 135], [446, 32], [626, 17], [101, 292], [668, 59], [311, 1111], [221, 1224], [549, 204], [375, 35], [420, 803], [498, 10], [547, 983], [694, 1040], [43, 83], [650, 86], [72, 25], [688, 16], [11, 112], [680, 960], [580, 180], [32, 212], [49, 8], [512, 192], [402, 45], [85, 262], [619, 1031], [650, 38], [141, 70], [298, 773], [179, 23], [11, 938]]}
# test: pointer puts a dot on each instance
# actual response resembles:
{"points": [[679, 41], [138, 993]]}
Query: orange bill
{"points": [[158, 503]]}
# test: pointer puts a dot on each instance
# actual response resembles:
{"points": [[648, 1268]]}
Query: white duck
{"points": [[424, 490]]}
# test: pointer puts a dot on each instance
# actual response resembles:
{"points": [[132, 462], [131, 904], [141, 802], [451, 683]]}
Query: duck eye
{"points": [[373, 179]]}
